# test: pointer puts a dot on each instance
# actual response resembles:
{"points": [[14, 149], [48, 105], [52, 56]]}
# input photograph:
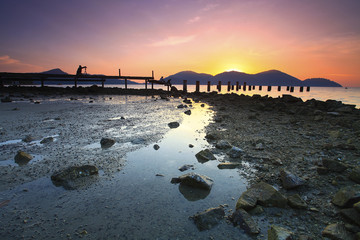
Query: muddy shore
{"points": [[274, 134]]}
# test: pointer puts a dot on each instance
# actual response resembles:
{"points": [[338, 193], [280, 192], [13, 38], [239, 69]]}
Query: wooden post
{"points": [[249, 88], [291, 89], [301, 89], [146, 81], [152, 85], [232, 87], [229, 86], [42, 82], [308, 88], [279, 88], [185, 85], [125, 83], [244, 87], [208, 86], [197, 86], [253, 87], [119, 72], [237, 86], [287, 88], [219, 86], [269, 88], [260, 88], [152, 74]]}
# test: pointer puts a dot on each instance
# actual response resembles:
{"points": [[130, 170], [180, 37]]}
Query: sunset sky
{"points": [[306, 39]]}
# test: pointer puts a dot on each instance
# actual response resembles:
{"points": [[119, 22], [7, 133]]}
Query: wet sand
{"points": [[274, 134]]}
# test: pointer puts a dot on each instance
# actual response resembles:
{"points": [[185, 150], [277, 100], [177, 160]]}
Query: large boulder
{"points": [[205, 155], [279, 233], [290, 180], [263, 194], [347, 196], [22, 158], [351, 215], [209, 218], [337, 231], [107, 142], [194, 180], [295, 201], [241, 218], [334, 165]]}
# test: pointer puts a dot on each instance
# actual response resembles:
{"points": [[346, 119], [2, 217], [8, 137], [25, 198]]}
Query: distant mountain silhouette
{"points": [[320, 82], [267, 78], [55, 71]]}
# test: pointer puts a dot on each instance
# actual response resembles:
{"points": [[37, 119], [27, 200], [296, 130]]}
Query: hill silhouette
{"points": [[267, 78]]}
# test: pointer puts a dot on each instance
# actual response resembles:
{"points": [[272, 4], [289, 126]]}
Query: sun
{"points": [[234, 70]]}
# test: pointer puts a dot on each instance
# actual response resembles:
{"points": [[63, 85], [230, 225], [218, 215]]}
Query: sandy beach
{"points": [[314, 141]]}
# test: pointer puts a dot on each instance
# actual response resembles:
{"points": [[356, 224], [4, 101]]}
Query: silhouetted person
{"points": [[79, 70], [161, 79], [168, 82]]}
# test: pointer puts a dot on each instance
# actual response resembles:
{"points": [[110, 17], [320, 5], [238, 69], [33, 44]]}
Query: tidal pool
{"points": [[138, 202]]}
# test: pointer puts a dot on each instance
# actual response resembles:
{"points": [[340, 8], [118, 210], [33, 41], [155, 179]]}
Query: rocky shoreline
{"points": [[302, 157]]}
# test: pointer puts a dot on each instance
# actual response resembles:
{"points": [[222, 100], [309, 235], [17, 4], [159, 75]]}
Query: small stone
{"points": [[205, 155], [347, 196], [173, 125], [28, 139], [290, 180], [22, 158], [191, 146], [156, 147], [209, 218], [223, 144], [47, 140], [188, 112], [186, 167], [259, 147], [244, 220], [336, 231], [279, 233], [235, 152], [295, 201], [229, 165], [107, 142]]}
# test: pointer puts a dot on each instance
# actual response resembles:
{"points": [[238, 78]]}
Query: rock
{"points": [[244, 220], [211, 136], [156, 147], [357, 206], [69, 176], [347, 196], [107, 142], [173, 125], [223, 144], [47, 140], [186, 167], [295, 201], [191, 146], [351, 215], [279, 233], [22, 158], [355, 175], [205, 155], [259, 147], [28, 139], [322, 170], [209, 218], [263, 194], [256, 210], [187, 101], [229, 165], [138, 141], [202, 105], [334, 165], [188, 112], [290, 180], [195, 180], [181, 106], [235, 152], [336, 231]]}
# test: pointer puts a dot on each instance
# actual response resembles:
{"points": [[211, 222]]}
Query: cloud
{"points": [[8, 60], [173, 40], [193, 20], [209, 7], [9, 64]]}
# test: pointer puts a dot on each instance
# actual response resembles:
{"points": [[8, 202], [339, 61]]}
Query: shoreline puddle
{"points": [[139, 202]]}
